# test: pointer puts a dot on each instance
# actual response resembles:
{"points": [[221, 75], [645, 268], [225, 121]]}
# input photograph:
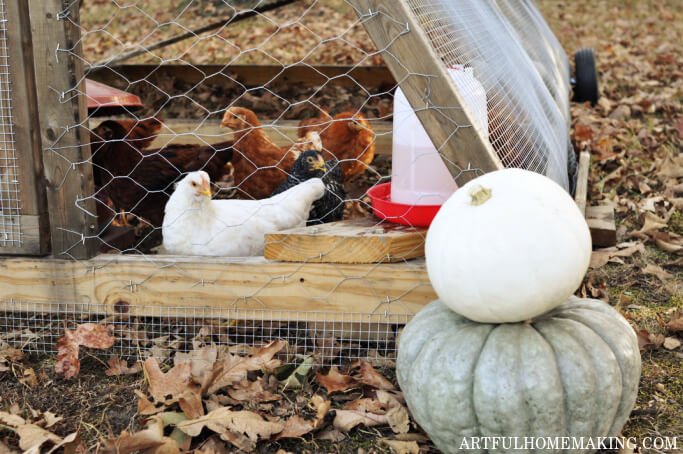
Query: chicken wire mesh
{"points": [[10, 220], [202, 110], [163, 332]]}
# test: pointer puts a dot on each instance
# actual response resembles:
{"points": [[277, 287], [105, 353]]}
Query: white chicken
{"points": [[196, 225]]}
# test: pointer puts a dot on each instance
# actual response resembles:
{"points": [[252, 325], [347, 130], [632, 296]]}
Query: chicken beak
{"points": [[319, 164], [205, 190]]}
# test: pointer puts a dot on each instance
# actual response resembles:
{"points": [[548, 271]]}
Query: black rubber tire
{"points": [[586, 76]]}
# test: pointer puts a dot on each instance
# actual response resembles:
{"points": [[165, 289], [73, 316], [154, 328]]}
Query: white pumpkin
{"points": [[507, 246]]}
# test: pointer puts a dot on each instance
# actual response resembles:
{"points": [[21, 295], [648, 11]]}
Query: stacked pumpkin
{"points": [[507, 350]]}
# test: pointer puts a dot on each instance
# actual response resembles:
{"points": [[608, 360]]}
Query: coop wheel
{"points": [[586, 75]]}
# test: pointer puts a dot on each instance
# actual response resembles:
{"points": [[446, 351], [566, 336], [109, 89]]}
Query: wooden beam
{"points": [[126, 284], [66, 149], [425, 81], [582, 181], [365, 240], [34, 225], [601, 223], [210, 132], [378, 78]]}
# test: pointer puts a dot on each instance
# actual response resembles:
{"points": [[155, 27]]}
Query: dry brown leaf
{"points": [[671, 343], [398, 417], [88, 335], [201, 361], [252, 391], [29, 378], [366, 404], [50, 419], [676, 323], [8, 355], [652, 223], [668, 241], [296, 426], [233, 368], [348, 419], [402, 447], [118, 366], [648, 340], [330, 433], [11, 420], [145, 407], [151, 438], [657, 271], [335, 381], [672, 165], [32, 437], [172, 383], [600, 257], [224, 420], [369, 376], [68, 444], [213, 445], [190, 403]]}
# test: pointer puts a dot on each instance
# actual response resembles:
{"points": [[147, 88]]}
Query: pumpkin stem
{"points": [[479, 194]]}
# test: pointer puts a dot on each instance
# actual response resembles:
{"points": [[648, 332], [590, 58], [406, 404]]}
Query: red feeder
{"points": [[106, 100], [412, 215]]}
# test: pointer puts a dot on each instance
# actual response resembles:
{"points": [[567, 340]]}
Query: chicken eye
{"points": [[194, 185], [235, 117], [309, 159]]}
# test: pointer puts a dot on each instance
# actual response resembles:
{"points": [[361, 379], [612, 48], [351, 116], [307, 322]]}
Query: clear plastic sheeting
{"points": [[527, 125]]}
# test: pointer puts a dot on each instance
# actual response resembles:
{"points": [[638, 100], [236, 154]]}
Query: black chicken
{"points": [[311, 164]]}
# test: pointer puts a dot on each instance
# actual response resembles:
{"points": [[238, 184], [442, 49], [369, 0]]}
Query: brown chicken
{"points": [[347, 137], [261, 165], [139, 180]]}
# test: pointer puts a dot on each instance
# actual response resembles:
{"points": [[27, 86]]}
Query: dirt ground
{"points": [[634, 137]]}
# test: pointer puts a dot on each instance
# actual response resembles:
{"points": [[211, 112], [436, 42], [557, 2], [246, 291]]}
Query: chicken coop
{"points": [[85, 175]]}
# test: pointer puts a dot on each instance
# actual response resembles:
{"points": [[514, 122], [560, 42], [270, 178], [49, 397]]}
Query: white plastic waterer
{"points": [[419, 175]]}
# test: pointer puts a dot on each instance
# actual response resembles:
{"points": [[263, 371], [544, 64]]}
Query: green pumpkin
{"points": [[572, 372]]}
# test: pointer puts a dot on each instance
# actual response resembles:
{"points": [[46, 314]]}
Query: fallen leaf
{"points": [[88, 335], [51, 419], [348, 419], [200, 359], [297, 378], [600, 257], [397, 416], [223, 420], [331, 434], [32, 437], [334, 381], [652, 222], [11, 420], [657, 271], [152, 437], [366, 404], [120, 367], [672, 165], [369, 376], [671, 343], [190, 403], [402, 447], [145, 407], [676, 323], [68, 444], [29, 378], [234, 368], [648, 340], [296, 426], [8, 355], [172, 383], [252, 391]]}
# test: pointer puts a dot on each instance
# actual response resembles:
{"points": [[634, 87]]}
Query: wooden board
{"points": [[210, 132], [34, 226], [582, 181], [601, 223], [428, 87], [182, 286], [66, 149], [370, 77], [366, 240]]}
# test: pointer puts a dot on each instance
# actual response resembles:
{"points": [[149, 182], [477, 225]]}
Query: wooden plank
{"points": [[582, 181], [370, 77], [34, 226], [425, 81], [182, 286], [365, 240], [601, 223], [66, 148], [210, 132]]}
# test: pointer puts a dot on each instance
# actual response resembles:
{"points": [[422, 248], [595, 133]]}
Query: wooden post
{"points": [[33, 220], [425, 81], [582, 181], [62, 113]]}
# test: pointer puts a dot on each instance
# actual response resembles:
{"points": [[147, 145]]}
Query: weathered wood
{"points": [[428, 87], [211, 132], [34, 225], [601, 223], [365, 240], [183, 285], [66, 148], [370, 77], [582, 181]]}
